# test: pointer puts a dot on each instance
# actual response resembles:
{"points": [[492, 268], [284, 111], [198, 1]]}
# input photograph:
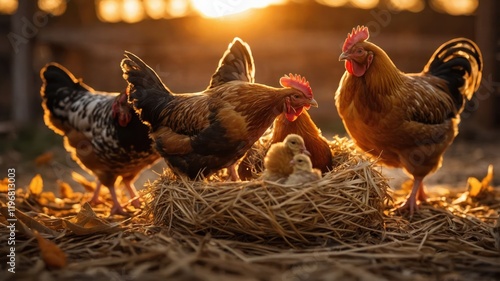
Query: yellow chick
{"points": [[303, 171], [277, 161]]}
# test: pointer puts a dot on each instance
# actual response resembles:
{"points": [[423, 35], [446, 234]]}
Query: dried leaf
{"points": [[44, 159], [486, 182], [26, 224], [474, 186], [4, 185], [36, 185], [480, 188], [52, 255], [65, 189], [87, 222], [89, 186], [48, 196]]}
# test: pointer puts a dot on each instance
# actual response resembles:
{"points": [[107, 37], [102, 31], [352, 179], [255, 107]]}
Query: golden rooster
{"points": [[406, 120]]}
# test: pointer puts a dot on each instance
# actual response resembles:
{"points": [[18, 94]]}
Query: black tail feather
{"points": [[460, 63], [58, 84], [55, 77], [59, 90], [145, 88]]}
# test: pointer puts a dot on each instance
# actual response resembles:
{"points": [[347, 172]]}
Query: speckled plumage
{"points": [[92, 135]]}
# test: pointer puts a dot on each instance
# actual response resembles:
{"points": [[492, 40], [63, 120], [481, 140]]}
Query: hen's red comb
{"points": [[298, 82], [358, 34]]}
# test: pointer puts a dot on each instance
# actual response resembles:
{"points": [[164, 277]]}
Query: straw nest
{"points": [[347, 202]]}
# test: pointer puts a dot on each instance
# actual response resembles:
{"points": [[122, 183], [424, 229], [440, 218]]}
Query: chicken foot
{"points": [[117, 208], [417, 193]]}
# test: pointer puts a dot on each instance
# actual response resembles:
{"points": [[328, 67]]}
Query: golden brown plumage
{"points": [[277, 161], [303, 171], [207, 131], [406, 120]]}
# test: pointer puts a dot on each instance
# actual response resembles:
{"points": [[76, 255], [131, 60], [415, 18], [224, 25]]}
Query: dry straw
{"points": [[347, 202]]}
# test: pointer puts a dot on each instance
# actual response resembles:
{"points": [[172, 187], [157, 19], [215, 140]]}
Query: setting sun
{"points": [[220, 8]]}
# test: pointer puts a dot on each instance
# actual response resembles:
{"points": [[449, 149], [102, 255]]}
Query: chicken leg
{"points": [[417, 193], [132, 191], [117, 208], [95, 197], [233, 174]]}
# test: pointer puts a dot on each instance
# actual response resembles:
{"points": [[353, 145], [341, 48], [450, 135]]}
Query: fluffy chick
{"points": [[277, 161], [303, 171]]}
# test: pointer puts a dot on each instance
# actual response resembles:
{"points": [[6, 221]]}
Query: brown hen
{"points": [[201, 133]]}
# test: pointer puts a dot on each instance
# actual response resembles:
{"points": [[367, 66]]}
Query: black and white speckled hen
{"points": [[201, 133], [101, 131]]}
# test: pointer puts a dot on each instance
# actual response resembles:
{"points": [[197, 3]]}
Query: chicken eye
{"points": [[359, 51]]}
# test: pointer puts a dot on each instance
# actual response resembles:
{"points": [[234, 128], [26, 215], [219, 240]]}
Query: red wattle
{"points": [[355, 68], [290, 116], [348, 66], [124, 119]]}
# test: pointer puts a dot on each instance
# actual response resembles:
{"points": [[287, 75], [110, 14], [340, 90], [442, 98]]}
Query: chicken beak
{"points": [[306, 152], [343, 56], [313, 103]]}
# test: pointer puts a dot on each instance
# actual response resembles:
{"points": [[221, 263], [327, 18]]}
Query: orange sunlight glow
{"points": [[458, 7], [54, 7], [109, 10], [155, 8], [8, 6], [178, 8], [333, 3], [365, 4], [221, 8], [132, 11], [410, 5]]}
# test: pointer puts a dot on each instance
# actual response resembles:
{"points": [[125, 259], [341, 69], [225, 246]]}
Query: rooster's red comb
{"points": [[298, 82], [358, 34]]}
